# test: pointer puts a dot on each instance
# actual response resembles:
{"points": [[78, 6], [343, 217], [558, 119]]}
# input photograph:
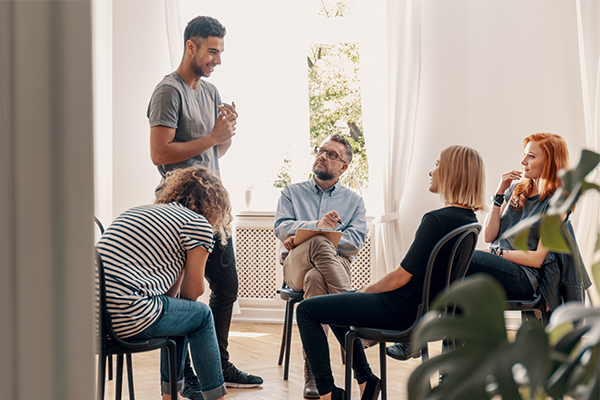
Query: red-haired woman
{"points": [[522, 194]]}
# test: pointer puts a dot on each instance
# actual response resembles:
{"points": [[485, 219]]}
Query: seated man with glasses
{"points": [[316, 266]]}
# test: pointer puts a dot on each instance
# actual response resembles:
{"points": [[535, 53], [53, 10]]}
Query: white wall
{"points": [[492, 72]]}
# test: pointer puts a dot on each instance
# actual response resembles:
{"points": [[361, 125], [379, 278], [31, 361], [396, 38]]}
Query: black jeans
{"points": [[221, 274], [340, 311], [511, 276]]}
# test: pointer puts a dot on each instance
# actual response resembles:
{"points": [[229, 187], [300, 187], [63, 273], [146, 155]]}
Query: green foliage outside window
{"points": [[335, 101], [335, 104]]}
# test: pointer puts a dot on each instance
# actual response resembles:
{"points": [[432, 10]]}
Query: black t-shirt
{"points": [[434, 226]]}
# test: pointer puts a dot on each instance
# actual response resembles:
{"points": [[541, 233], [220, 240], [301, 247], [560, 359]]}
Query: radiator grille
{"points": [[256, 260]]}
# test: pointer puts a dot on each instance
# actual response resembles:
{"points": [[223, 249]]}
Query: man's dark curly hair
{"points": [[203, 26]]}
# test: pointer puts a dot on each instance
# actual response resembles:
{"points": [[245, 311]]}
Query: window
{"points": [[264, 70]]}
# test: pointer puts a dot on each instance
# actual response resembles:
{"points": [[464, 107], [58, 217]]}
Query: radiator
{"points": [[256, 259]]}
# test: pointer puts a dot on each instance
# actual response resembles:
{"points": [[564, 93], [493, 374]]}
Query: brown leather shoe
{"points": [[310, 387]]}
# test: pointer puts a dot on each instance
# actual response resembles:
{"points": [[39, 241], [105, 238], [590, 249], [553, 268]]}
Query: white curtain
{"points": [[588, 208], [396, 148], [174, 32]]}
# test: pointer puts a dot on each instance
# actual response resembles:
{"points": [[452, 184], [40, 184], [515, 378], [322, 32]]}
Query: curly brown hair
{"points": [[202, 192]]}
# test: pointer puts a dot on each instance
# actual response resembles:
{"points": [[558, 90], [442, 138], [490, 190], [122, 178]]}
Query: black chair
{"points": [[528, 307], [291, 297], [110, 359], [463, 241], [110, 343]]}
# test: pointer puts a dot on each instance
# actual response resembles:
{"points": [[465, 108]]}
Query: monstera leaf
{"points": [[575, 368], [485, 363]]}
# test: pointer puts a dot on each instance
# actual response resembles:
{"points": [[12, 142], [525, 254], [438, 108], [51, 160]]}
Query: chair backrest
{"points": [[461, 242], [105, 328]]}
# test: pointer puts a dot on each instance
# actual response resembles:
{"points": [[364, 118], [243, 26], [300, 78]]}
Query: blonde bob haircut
{"points": [[202, 192], [461, 177]]}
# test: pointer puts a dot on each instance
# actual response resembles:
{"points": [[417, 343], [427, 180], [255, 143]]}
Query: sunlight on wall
{"points": [[264, 70]]}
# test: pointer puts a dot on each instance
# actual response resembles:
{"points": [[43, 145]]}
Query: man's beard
{"points": [[322, 173]]}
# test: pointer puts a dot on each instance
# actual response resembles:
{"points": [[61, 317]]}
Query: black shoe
{"points": [[191, 388], [235, 378], [401, 351], [372, 389], [310, 386]]}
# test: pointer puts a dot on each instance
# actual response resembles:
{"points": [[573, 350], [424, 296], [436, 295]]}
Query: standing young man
{"points": [[190, 126]]}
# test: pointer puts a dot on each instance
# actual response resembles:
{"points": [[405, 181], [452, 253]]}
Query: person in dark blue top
{"points": [[391, 302]]}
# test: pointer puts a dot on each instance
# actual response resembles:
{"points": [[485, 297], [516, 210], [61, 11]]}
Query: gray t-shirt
{"points": [[192, 113], [510, 217]]}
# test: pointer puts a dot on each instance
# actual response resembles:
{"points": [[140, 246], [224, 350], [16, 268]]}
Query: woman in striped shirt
{"points": [[152, 254]]}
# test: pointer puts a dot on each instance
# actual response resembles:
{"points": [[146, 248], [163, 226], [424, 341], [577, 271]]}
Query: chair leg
{"points": [[171, 348], [119, 388], [288, 339], [130, 375], [110, 367], [101, 375], [283, 335], [425, 353], [350, 336], [383, 369]]}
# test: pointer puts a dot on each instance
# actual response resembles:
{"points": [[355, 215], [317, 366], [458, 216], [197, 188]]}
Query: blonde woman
{"points": [[391, 302], [155, 252]]}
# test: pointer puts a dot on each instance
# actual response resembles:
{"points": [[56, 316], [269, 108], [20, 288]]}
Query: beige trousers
{"points": [[315, 268]]}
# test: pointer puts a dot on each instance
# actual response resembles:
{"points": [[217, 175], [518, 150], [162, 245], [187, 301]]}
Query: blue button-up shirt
{"points": [[303, 204]]}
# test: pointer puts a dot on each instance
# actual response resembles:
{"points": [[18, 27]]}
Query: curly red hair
{"points": [[557, 158]]}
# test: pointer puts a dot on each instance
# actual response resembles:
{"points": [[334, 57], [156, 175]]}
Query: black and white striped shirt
{"points": [[143, 252]]}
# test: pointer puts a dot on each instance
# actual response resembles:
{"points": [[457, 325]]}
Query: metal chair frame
{"points": [[110, 343], [291, 298], [463, 247]]}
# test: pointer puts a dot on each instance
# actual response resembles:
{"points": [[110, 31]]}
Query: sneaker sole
{"points": [[242, 385]]}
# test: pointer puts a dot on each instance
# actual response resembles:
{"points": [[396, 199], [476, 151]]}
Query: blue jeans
{"points": [[187, 321], [340, 311], [511, 276]]}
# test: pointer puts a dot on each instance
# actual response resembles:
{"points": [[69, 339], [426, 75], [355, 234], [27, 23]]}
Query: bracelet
{"points": [[498, 199], [501, 252], [493, 250]]}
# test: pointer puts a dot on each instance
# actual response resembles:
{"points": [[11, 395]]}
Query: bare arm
{"points": [[531, 258], [391, 281], [163, 150], [491, 225], [192, 285], [174, 290]]}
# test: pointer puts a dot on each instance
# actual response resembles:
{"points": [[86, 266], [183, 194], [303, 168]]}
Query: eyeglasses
{"points": [[332, 155]]}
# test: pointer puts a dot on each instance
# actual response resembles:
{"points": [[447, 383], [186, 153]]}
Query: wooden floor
{"points": [[254, 348]]}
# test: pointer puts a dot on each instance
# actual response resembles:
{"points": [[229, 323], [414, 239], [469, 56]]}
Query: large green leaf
{"points": [[550, 232], [575, 356], [485, 363], [587, 163], [596, 265]]}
